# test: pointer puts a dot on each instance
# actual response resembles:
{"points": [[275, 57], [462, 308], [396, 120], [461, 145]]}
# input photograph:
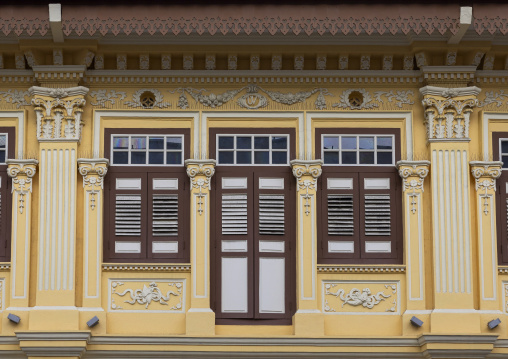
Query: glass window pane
{"points": [[244, 157], [366, 158], [226, 142], [138, 158], [138, 143], [504, 146], [120, 158], [156, 143], [349, 158], [262, 157], [330, 143], [226, 157], [384, 143], [349, 143], [384, 158], [279, 143], [156, 158], [505, 161], [279, 157], [244, 143], [173, 143], [2, 156], [120, 142], [174, 158], [331, 158], [262, 143], [366, 143], [3, 140]]}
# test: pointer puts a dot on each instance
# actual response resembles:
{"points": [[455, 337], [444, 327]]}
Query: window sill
{"points": [[117, 267], [362, 269]]}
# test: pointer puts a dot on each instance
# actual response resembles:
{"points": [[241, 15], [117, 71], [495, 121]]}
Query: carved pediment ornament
{"points": [[58, 112]]}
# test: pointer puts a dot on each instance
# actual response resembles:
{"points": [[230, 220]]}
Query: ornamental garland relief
{"points": [[147, 295], [362, 297], [254, 97]]}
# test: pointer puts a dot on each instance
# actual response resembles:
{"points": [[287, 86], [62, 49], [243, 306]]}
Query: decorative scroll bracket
{"points": [[485, 174], [93, 171], [307, 173], [21, 172], [413, 174], [200, 173]]}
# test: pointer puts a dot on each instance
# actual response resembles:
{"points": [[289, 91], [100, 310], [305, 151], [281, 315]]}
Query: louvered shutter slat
{"points": [[234, 214], [271, 214], [377, 215], [340, 215], [128, 215], [165, 215]]}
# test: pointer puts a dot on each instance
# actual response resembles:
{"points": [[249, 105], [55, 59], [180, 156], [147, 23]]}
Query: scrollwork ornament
{"points": [[485, 174], [413, 174], [21, 172], [93, 172], [197, 169], [302, 170], [357, 297]]}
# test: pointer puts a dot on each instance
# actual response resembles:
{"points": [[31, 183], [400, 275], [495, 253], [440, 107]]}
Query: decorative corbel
{"points": [[200, 173], [93, 172], [21, 172], [485, 174], [307, 174]]}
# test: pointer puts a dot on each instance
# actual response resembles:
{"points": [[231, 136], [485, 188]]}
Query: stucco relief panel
{"points": [[147, 295], [361, 297]]}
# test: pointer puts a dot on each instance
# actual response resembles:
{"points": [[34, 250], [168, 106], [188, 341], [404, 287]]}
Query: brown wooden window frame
{"points": [[501, 201], [253, 172], [6, 196], [358, 173], [146, 173]]}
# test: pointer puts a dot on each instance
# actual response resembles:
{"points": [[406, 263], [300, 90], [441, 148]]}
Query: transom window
{"points": [[253, 149], [3, 147], [503, 151], [358, 150], [147, 150]]}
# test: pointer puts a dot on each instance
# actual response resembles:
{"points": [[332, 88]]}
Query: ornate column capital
{"points": [[413, 174], [200, 173], [307, 168], [21, 172], [448, 111], [485, 174], [58, 112], [93, 171]]}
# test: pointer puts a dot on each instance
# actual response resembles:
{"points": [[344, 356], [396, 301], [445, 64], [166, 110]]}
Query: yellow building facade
{"points": [[253, 181]]}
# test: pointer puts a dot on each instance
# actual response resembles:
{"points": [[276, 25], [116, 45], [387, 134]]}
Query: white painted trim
{"points": [[20, 140], [467, 227], [296, 115], [419, 245], [97, 115], [301, 240], [489, 116], [437, 267], [406, 116]]}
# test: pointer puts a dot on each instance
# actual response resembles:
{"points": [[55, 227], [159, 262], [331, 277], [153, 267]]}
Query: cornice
{"points": [[146, 267]]}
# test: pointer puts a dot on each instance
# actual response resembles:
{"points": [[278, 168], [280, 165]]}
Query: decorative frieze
{"points": [[343, 62], [361, 297], [448, 111], [232, 62], [413, 174], [299, 62], [121, 62], [99, 62], [488, 62], [16, 97], [188, 62], [93, 172], [147, 98], [485, 174], [451, 58], [408, 63], [19, 59], [210, 62], [147, 295], [277, 62], [102, 97], [200, 173], [254, 62], [21, 172], [57, 57], [388, 62], [58, 112], [365, 62], [166, 62], [144, 62], [381, 269], [321, 62]]}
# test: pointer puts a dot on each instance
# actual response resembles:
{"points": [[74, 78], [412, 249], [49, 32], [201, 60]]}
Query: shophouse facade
{"points": [[254, 181]]}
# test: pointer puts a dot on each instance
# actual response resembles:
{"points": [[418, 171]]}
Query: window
{"points": [[252, 149], [7, 143], [360, 196], [500, 151], [147, 196], [253, 230]]}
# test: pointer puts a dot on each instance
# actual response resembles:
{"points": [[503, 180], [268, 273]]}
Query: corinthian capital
{"points": [[310, 168], [93, 171], [448, 111], [21, 172], [58, 112]]}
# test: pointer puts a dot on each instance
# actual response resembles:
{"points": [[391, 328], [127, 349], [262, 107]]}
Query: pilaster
{"points": [[21, 172], [308, 319], [58, 112], [200, 319], [447, 117], [93, 171], [413, 174], [485, 174]]}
